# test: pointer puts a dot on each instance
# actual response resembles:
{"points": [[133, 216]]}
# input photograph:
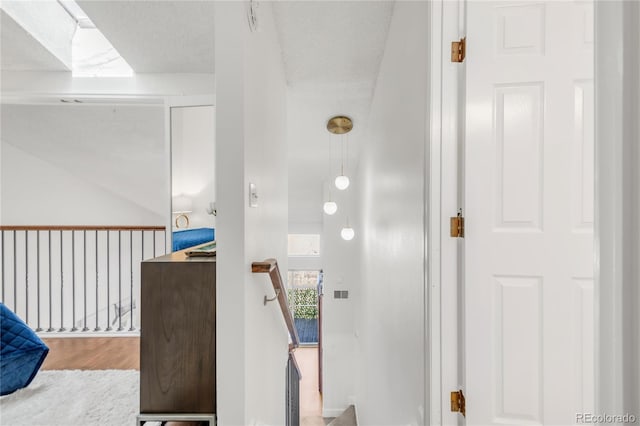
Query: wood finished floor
{"points": [[123, 353], [310, 397], [92, 353]]}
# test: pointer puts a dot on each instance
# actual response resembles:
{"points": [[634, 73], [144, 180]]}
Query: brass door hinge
{"points": [[458, 50], [457, 225], [457, 403]]}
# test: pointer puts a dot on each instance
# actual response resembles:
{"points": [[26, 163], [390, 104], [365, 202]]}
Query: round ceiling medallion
{"points": [[339, 125]]}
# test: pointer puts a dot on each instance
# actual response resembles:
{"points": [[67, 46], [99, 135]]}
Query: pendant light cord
{"points": [[342, 156], [330, 159], [347, 149]]}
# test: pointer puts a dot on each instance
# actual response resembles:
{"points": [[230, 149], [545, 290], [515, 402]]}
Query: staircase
{"points": [[347, 418]]}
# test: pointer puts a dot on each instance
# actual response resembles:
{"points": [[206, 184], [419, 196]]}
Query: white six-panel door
{"points": [[529, 212]]}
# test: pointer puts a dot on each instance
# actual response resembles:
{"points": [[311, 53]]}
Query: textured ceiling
{"points": [[331, 52], [21, 51], [158, 36], [331, 42]]}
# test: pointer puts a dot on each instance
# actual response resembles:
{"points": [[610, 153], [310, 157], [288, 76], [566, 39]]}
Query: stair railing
{"points": [[76, 278], [270, 266]]}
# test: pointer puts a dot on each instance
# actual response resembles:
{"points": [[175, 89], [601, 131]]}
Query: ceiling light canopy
{"points": [[339, 125]]}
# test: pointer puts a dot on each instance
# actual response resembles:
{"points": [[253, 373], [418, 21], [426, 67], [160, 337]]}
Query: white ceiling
{"points": [[21, 51], [157, 36], [331, 52], [332, 43]]}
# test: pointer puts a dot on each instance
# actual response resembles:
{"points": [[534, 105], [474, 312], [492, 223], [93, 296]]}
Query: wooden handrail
{"points": [[270, 266], [79, 228]]}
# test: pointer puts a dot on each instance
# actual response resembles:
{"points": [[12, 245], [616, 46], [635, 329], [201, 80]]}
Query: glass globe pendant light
{"points": [[330, 207], [342, 182], [347, 233]]}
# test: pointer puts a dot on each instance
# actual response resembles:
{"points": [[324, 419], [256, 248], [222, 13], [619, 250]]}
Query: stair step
{"points": [[347, 418]]}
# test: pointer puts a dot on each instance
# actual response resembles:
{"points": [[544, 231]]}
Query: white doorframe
{"points": [[616, 201], [617, 236], [433, 395], [446, 23], [176, 102]]}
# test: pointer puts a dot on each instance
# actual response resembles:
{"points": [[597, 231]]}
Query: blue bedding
{"points": [[192, 237], [21, 352]]}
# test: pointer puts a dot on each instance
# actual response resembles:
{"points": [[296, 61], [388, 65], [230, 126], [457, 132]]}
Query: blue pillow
{"points": [[21, 352]]}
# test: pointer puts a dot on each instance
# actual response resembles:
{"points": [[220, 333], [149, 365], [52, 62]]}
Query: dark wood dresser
{"points": [[178, 335]]}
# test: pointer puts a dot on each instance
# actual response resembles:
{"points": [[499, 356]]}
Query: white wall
{"points": [[252, 341], [193, 160], [83, 165], [266, 225], [306, 263], [340, 264], [390, 302]]}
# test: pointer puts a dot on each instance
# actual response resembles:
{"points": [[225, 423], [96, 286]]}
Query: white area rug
{"points": [[74, 397]]}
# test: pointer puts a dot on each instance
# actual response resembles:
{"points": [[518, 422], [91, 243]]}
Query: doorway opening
{"points": [[304, 291], [303, 294], [192, 170]]}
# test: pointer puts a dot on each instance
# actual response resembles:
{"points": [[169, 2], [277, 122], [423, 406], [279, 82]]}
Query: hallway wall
{"points": [[251, 147], [390, 298], [340, 260]]}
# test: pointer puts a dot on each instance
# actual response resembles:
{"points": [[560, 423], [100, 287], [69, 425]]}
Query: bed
{"points": [[186, 238]]}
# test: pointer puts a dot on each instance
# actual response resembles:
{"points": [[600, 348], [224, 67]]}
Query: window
{"points": [[304, 245], [303, 279], [92, 55]]}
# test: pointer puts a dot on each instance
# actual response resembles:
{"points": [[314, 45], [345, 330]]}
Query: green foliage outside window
{"points": [[304, 302]]}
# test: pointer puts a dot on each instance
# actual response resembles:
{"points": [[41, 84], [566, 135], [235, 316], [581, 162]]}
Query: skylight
{"points": [[91, 53]]}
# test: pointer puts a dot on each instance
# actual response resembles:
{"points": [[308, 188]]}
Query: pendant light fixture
{"points": [[347, 233], [340, 125], [330, 207]]}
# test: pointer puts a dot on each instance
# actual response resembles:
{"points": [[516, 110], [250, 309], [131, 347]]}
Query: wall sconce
{"points": [[182, 206], [212, 209]]}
